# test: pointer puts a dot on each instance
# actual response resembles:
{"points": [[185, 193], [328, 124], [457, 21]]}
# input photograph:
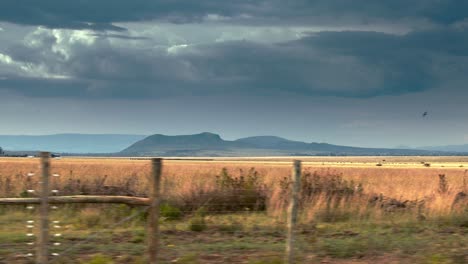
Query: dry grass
{"points": [[351, 210], [186, 181]]}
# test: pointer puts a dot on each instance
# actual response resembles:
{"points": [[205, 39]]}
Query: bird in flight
{"points": [[424, 114]]}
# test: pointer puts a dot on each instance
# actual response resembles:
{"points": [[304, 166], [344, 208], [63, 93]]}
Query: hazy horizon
{"points": [[222, 137]]}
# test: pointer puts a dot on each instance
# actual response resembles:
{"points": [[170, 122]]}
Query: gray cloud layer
{"points": [[100, 15], [348, 64], [96, 63]]}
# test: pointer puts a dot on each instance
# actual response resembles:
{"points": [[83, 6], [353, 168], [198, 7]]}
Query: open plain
{"points": [[351, 209]]}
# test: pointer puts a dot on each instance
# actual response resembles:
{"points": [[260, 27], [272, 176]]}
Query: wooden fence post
{"points": [[292, 212], [153, 218], [43, 234]]}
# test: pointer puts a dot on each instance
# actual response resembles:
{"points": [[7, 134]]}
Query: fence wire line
{"points": [[94, 234]]}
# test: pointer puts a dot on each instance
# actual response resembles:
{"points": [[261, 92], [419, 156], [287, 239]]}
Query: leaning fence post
{"points": [[43, 234], [153, 218], [292, 211]]}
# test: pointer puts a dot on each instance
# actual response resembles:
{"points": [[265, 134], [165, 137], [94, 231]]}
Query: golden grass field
{"points": [[403, 178], [350, 209]]}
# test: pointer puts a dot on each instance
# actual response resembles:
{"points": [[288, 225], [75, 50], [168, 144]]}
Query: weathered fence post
{"points": [[43, 234], [292, 212], [153, 218]]}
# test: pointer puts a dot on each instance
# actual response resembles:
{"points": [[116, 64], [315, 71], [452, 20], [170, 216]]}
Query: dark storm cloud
{"points": [[450, 41], [100, 15], [40, 87], [345, 64], [444, 12]]}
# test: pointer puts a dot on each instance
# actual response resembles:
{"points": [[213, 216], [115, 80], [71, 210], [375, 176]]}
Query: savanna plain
{"points": [[233, 210]]}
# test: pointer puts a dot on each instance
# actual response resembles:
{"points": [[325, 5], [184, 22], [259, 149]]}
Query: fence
{"points": [[152, 204]]}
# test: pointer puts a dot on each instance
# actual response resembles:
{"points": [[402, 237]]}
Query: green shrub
{"points": [[238, 193], [438, 259], [191, 258], [25, 194], [197, 224], [202, 211], [231, 193], [138, 236], [99, 259], [170, 212]]}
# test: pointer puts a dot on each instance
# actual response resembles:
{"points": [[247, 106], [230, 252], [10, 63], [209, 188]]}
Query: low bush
{"points": [[230, 194], [170, 212], [197, 224], [99, 259]]}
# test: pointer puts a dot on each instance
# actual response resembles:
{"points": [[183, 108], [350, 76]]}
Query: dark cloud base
{"points": [[100, 15], [344, 64]]}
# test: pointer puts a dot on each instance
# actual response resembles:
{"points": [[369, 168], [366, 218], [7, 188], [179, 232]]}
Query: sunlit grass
{"points": [[339, 221]]}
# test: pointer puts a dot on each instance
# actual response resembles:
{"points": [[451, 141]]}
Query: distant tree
{"points": [[1, 152]]}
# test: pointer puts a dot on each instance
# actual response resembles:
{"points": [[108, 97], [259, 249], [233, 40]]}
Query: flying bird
{"points": [[424, 114]]}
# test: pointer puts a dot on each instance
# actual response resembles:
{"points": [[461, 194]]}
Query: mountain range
{"points": [[203, 144], [209, 144]]}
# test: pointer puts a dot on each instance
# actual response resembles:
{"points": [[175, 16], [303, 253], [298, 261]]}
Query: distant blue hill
{"points": [[70, 143], [209, 144], [450, 148], [203, 144]]}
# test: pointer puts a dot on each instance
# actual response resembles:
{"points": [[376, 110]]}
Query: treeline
{"points": [[18, 154]]}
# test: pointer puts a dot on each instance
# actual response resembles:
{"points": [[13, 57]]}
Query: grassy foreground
{"points": [[237, 238], [226, 211]]}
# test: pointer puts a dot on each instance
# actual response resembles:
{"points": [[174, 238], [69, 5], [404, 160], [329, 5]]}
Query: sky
{"points": [[358, 73]]}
